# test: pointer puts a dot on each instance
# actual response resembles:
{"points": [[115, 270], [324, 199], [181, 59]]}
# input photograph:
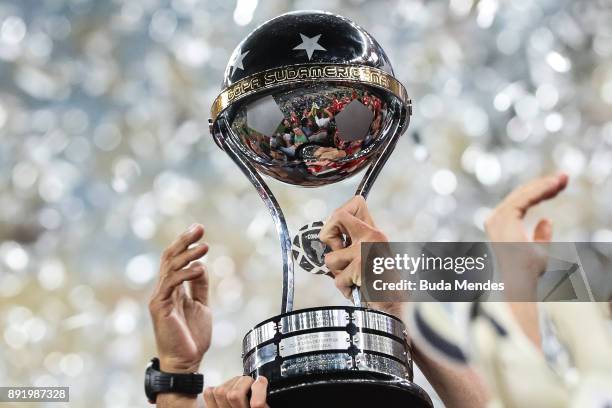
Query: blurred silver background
{"points": [[105, 156]]}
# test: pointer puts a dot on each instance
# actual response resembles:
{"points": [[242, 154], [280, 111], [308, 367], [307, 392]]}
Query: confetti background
{"points": [[105, 156]]}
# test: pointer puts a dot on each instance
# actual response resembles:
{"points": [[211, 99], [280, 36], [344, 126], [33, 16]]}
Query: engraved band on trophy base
{"points": [[323, 339]]}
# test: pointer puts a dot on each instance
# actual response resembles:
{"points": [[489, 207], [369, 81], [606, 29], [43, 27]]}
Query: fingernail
{"points": [[192, 228]]}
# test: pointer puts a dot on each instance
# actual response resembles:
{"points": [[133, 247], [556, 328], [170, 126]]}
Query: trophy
{"points": [[309, 98]]}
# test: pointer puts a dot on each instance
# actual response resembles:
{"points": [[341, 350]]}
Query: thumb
{"points": [[259, 391], [543, 231]]}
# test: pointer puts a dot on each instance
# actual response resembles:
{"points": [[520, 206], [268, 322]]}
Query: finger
{"points": [[170, 282], [178, 296], [341, 258], [357, 206], [534, 192], [344, 283], [220, 393], [543, 231], [237, 395], [342, 223], [354, 271], [332, 236], [209, 399], [184, 258], [193, 234], [259, 391], [345, 280], [199, 286]]}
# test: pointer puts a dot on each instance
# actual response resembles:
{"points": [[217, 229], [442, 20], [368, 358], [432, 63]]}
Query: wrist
{"points": [[172, 365], [175, 400], [524, 289], [172, 385]]}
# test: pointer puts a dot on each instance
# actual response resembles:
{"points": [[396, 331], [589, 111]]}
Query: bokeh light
{"points": [[105, 157]]}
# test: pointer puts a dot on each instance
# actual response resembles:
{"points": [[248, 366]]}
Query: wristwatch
{"points": [[158, 382]]}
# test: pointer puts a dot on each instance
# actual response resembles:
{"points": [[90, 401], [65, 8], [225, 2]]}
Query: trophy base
{"points": [[333, 356], [340, 390]]}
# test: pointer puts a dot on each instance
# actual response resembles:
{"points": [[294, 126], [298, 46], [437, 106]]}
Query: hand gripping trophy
{"points": [[310, 99]]}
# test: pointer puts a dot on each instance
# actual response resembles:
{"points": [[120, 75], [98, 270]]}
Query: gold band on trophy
{"points": [[297, 74]]}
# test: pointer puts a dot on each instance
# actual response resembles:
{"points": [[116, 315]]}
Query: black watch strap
{"points": [[158, 382]]}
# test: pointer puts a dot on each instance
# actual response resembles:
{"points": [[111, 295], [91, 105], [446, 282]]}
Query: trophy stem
{"points": [[372, 174], [275, 211], [374, 170], [356, 295]]}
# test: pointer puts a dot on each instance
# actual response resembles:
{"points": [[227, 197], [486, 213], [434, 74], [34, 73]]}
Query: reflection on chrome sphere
{"points": [[314, 135]]}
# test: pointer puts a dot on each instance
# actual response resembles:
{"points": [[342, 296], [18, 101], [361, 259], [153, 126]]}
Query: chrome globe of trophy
{"points": [[310, 99]]}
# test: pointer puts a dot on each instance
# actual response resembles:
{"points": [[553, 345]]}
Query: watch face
{"points": [[149, 373], [157, 382]]}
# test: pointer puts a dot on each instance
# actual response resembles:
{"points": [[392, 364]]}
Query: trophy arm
{"points": [[273, 208], [373, 171]]}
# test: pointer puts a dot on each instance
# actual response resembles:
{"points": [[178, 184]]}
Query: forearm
{"points": [[521, 293], [457, 387], [462, 387], [177, 401], [528, 318]]}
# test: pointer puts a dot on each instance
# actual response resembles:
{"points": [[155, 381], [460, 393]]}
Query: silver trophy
{"points": [[310, 99]]}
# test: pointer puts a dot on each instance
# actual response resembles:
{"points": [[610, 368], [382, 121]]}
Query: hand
{"points": [[181, 319], [234, 393], [347, 228], [505, 224], [520, 268], [349, 225]]}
